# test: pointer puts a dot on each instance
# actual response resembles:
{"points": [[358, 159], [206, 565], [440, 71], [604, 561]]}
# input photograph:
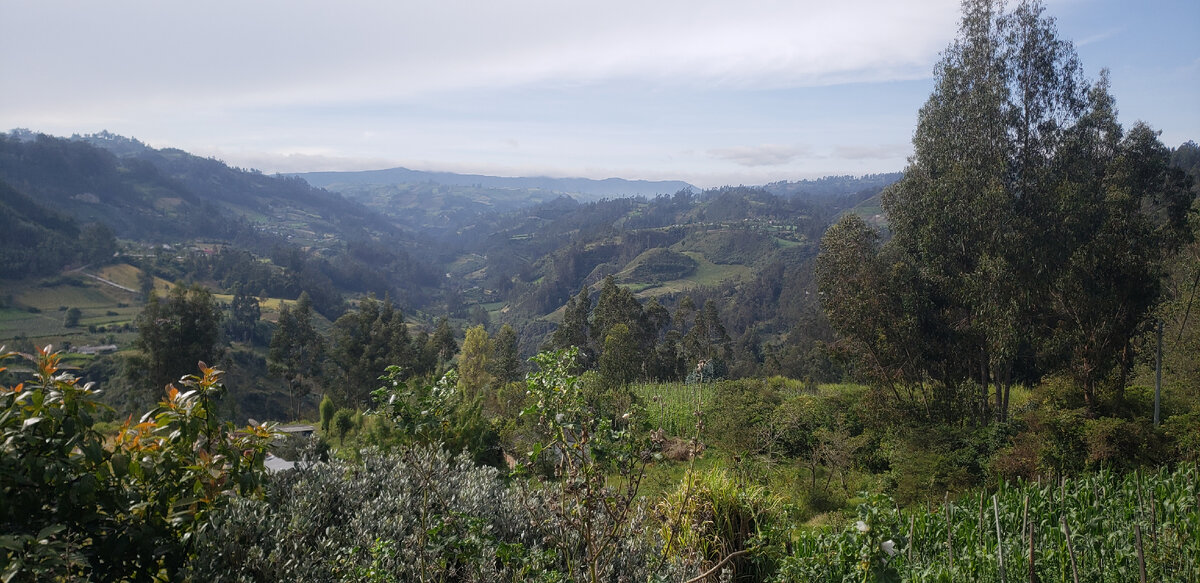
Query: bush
{"points": [[80, 506], [420, 514], [416, 411], [739, 414], [327, 411], [711, 516], [1183, 431], [343, 423]]}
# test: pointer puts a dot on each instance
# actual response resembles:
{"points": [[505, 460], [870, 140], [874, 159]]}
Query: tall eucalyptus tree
{"points": [[1029, 222]]}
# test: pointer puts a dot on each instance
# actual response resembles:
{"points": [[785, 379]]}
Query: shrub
{"points": [[423, 412], [343, 422], [712, 515], [739, 414], [327, 411], [1184, 432], [80, 506], [419, 514]]}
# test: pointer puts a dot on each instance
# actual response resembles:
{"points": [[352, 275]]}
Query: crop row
{"points": [[672, 406], [1100, 527]]}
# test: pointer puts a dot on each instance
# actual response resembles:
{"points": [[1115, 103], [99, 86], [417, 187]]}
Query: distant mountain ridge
{"points": [[585, 187]]}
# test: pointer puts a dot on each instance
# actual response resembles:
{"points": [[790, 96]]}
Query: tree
{"points": [[178, 331], [72, 318], [618, 306], [244, 314], [1103, 292], [327, 410], [297, 350], [145, 283], [615, 305], [707, 340], [506, 357], [441, 345], [97, 244], [474, 362], [1025, 223], [367, 341], [620, 363], [573, 331]]}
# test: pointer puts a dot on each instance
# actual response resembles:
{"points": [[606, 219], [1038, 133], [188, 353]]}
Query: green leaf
{"points": [[49, 531]]}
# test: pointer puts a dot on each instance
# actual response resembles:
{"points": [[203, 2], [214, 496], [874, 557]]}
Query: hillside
{"points": [[168, 196], [475, 253]]}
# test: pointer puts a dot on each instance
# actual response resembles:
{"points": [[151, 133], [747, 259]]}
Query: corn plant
{"points": [[1098, 527], [672, 406]]}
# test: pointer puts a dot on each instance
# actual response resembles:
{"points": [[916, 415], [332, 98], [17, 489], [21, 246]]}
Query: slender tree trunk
{"points": [[1007, 391], [983, 388]]}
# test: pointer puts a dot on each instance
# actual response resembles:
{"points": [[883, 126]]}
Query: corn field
{"points": [[1100, 527], [672, 406]]}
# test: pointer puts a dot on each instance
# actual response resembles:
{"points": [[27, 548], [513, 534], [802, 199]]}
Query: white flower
{"points": [[889, 547], [861, 526]]}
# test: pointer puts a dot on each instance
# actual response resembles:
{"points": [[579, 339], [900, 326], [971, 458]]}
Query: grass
{"points": [[265, 304], [672, 406], [38, 312], [707, 274]]}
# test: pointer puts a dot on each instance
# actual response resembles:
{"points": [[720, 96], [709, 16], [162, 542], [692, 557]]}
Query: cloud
{"points": [[222, 53], [764, 155], [879, 152], [1098, 37]]}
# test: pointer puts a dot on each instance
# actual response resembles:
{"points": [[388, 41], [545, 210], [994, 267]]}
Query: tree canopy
{"points": [[1028, 233]]}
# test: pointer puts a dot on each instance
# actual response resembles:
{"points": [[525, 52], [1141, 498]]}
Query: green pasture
{"points": [[707, 274]]}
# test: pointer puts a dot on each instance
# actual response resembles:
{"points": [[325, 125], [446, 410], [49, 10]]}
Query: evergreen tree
{"points": [[1028, 222], [475, 362], [297, 350], [621, 362], [244, 314], [364, 343], [441, 345], [506, 361], [574, 328]]}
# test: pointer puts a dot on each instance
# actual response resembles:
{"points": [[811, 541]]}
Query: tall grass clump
{"points": [[720, 521]]}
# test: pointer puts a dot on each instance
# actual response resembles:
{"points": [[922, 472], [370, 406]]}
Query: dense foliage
{"points": [[79, 505], [1002, 315], [1029, 233]]}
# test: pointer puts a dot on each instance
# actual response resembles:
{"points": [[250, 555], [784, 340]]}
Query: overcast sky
{"points": [[725, 92]]}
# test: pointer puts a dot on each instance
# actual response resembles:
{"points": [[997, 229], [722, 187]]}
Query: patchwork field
{"points": [[707, 274]]}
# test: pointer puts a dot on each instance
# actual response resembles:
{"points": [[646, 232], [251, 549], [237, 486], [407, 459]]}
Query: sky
{"points": [[711, 92]]}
